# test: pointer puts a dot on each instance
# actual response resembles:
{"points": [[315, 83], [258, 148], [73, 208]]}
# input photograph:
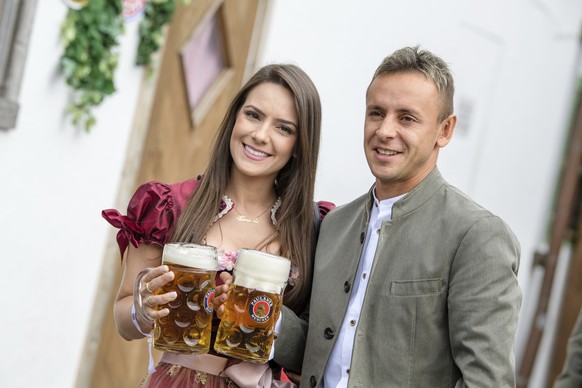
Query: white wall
{"points": [[515, 66], [55, 181]]}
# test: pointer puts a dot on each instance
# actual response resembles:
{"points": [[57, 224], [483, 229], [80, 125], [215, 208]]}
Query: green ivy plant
{"points": [[90, 36], [157, 14]]}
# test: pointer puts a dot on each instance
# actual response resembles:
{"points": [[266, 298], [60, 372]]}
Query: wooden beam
{"points": [[558, 234], [572, 298]]}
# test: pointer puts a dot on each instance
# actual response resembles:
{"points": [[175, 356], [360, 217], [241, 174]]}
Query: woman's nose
{"points": [[261, 132]]}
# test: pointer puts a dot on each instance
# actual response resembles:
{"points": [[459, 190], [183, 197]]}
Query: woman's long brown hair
{"points": [[295, 182]]}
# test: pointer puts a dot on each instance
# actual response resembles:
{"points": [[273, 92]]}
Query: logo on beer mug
{"points": [[261, 308], [208, 304]]}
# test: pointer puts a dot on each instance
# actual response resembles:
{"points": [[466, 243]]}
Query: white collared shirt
{"points": [[336, 372]]}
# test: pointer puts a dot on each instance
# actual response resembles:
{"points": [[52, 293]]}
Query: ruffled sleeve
{"points": [[151, 214], [324, 208]]}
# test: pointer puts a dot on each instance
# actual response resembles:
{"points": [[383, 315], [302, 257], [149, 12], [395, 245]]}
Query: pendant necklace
{"points": [[243, 218]]}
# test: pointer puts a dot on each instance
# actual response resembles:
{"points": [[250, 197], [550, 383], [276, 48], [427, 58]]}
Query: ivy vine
{"points": [[157, 14], [90, 37]]}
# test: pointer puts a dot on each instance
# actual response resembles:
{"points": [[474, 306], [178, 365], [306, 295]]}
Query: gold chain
{"points": [[243, 218]]}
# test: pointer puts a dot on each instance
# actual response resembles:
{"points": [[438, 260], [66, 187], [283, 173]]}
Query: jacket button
{"points": [[362, 237], [347, 286], [328, 333], [312, 381]]}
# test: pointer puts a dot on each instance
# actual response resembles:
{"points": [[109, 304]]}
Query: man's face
{"points": [[402, 134]]}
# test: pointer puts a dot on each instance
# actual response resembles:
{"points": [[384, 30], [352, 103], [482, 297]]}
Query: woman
{"points": [[256, 193]]}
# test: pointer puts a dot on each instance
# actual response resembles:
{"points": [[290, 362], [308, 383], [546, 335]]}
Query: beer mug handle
{"points": [[137, 299]]}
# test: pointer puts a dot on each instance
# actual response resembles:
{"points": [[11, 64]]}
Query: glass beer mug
{"points": [[187, 328], [246, 330]]}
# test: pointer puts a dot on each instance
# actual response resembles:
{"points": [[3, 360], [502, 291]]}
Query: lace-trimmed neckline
{"points": [[227, 204]]}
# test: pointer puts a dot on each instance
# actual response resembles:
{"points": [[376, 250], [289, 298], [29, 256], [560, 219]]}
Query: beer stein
{"points": [[252, 308], [187, 328]]}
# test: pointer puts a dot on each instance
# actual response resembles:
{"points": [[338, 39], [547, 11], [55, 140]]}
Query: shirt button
{"points": [[364, 275], [312, 381], [347, 286], [328, 333], [352, 322], [348, 371]]}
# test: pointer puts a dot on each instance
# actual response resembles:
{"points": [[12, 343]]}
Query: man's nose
{"points": [[387, 128]]}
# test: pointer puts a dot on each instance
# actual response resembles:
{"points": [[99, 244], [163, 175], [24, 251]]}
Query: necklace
{"points": [[243, 218]]}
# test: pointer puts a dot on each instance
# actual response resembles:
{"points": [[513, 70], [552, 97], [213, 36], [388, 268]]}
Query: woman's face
{"points": [[265, 132]]}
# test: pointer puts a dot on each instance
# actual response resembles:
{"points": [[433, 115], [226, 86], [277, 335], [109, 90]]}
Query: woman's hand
{"points": [[221, 294], [154, 279]]}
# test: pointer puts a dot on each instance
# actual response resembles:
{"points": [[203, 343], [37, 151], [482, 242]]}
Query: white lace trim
{"points": [[228, 205], [274, 209]]}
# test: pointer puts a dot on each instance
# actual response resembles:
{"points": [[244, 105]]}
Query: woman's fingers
{"points": [[156, 278], [226, 278], [220, 296]]}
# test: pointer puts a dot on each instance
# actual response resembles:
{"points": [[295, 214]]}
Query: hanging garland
{"points": [[157, 14], [90, 35]]}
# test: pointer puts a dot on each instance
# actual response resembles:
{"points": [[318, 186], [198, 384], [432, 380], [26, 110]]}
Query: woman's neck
{"points": [[251, 191]]}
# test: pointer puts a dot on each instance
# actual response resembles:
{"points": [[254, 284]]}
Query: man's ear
{"points": [[446, 129]]}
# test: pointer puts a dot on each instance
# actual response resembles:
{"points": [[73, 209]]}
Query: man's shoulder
{"points": [[350, 208], [458, 201], [466, 211]]}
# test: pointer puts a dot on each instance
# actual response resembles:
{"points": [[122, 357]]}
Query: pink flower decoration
{"points": [[227, 260]]}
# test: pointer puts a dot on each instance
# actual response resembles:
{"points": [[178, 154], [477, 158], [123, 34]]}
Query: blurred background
{"points": [[517, 148]]}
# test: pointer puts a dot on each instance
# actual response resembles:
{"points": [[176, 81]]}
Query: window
{"points": [[206, 63]]}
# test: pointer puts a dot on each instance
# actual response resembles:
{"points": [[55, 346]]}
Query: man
{"points": [[415, 284]]}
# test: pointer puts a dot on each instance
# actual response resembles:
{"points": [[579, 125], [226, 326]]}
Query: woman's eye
{"points": [[285, 129], [252, 115]]}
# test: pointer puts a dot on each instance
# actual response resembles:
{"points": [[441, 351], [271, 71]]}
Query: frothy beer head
{"points": [[191, 255], [261, 271]]}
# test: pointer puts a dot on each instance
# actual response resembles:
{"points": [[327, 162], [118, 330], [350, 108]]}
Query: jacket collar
{"points": [[414, 199]]}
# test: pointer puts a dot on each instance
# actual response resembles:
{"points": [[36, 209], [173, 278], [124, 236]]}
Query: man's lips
{"points": [[386, 152]]}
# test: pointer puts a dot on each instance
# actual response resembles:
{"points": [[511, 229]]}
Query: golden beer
{"points": [[246, 330], [187, 328]]}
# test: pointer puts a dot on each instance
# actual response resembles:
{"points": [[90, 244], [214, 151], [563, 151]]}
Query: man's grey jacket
{"points": [[442, 302]]}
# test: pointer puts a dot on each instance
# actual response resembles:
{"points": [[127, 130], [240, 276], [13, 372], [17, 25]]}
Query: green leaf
{"points": [[89, 59]]}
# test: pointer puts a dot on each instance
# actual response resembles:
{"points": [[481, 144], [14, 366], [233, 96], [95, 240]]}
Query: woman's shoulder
{"points": [[324, 208], [151, 213], [155, 190]]}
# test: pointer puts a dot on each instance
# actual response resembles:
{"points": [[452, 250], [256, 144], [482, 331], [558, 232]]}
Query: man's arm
{"points": [[571, 375], [483, 304], [290, 343]]}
